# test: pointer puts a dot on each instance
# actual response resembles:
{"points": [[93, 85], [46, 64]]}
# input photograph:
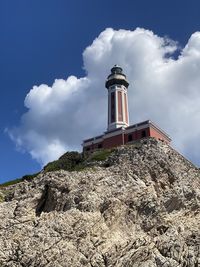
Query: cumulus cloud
{"points": [[162, 88]]}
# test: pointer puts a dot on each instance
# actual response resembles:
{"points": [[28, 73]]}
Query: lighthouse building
{"points": [[119, 132], [117, 86]]}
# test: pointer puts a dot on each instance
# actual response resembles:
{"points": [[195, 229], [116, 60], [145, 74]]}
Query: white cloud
{"points": [[163, 89]]}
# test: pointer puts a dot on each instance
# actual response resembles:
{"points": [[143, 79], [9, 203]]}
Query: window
{"points": [[88, 149], [144, 134], [130, 138], [99, 145]]}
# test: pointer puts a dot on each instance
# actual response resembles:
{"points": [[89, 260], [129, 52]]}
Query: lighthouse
{"points": [[117, 85], [119, 132]]}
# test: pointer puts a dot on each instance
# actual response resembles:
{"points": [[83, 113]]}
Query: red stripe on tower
{"points": [[126, 108], [113, 107], [120, 111]]}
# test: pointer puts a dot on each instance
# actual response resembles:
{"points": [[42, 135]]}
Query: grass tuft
{"points": [[101, 155], [12, 182], [27, 177]]}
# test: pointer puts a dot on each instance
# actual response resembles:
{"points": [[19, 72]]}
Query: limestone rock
{"points": [[140, 208]]}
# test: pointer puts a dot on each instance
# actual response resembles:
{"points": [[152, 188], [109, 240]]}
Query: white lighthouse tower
{"points": [[119, 132], [117, 85]]}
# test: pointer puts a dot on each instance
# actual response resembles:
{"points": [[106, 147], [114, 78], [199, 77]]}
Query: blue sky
{"points": [[41, 41]]}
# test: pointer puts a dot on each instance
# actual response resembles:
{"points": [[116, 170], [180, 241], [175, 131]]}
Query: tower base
{"points": [[122, 136]]}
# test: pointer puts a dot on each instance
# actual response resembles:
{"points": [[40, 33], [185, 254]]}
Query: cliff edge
{"points": [[140, 207]]}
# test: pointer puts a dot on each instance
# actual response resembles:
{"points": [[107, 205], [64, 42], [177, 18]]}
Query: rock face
{"points": [[139, 208]]}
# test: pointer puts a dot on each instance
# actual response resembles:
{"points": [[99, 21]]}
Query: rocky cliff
{"points": [[138, 208]]}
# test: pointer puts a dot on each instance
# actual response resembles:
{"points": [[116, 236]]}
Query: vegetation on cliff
{"points": [[70, 161]]}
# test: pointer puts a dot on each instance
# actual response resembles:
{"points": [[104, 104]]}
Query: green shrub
{"points": [[74, 161], [29, 177], [70, 161]]}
